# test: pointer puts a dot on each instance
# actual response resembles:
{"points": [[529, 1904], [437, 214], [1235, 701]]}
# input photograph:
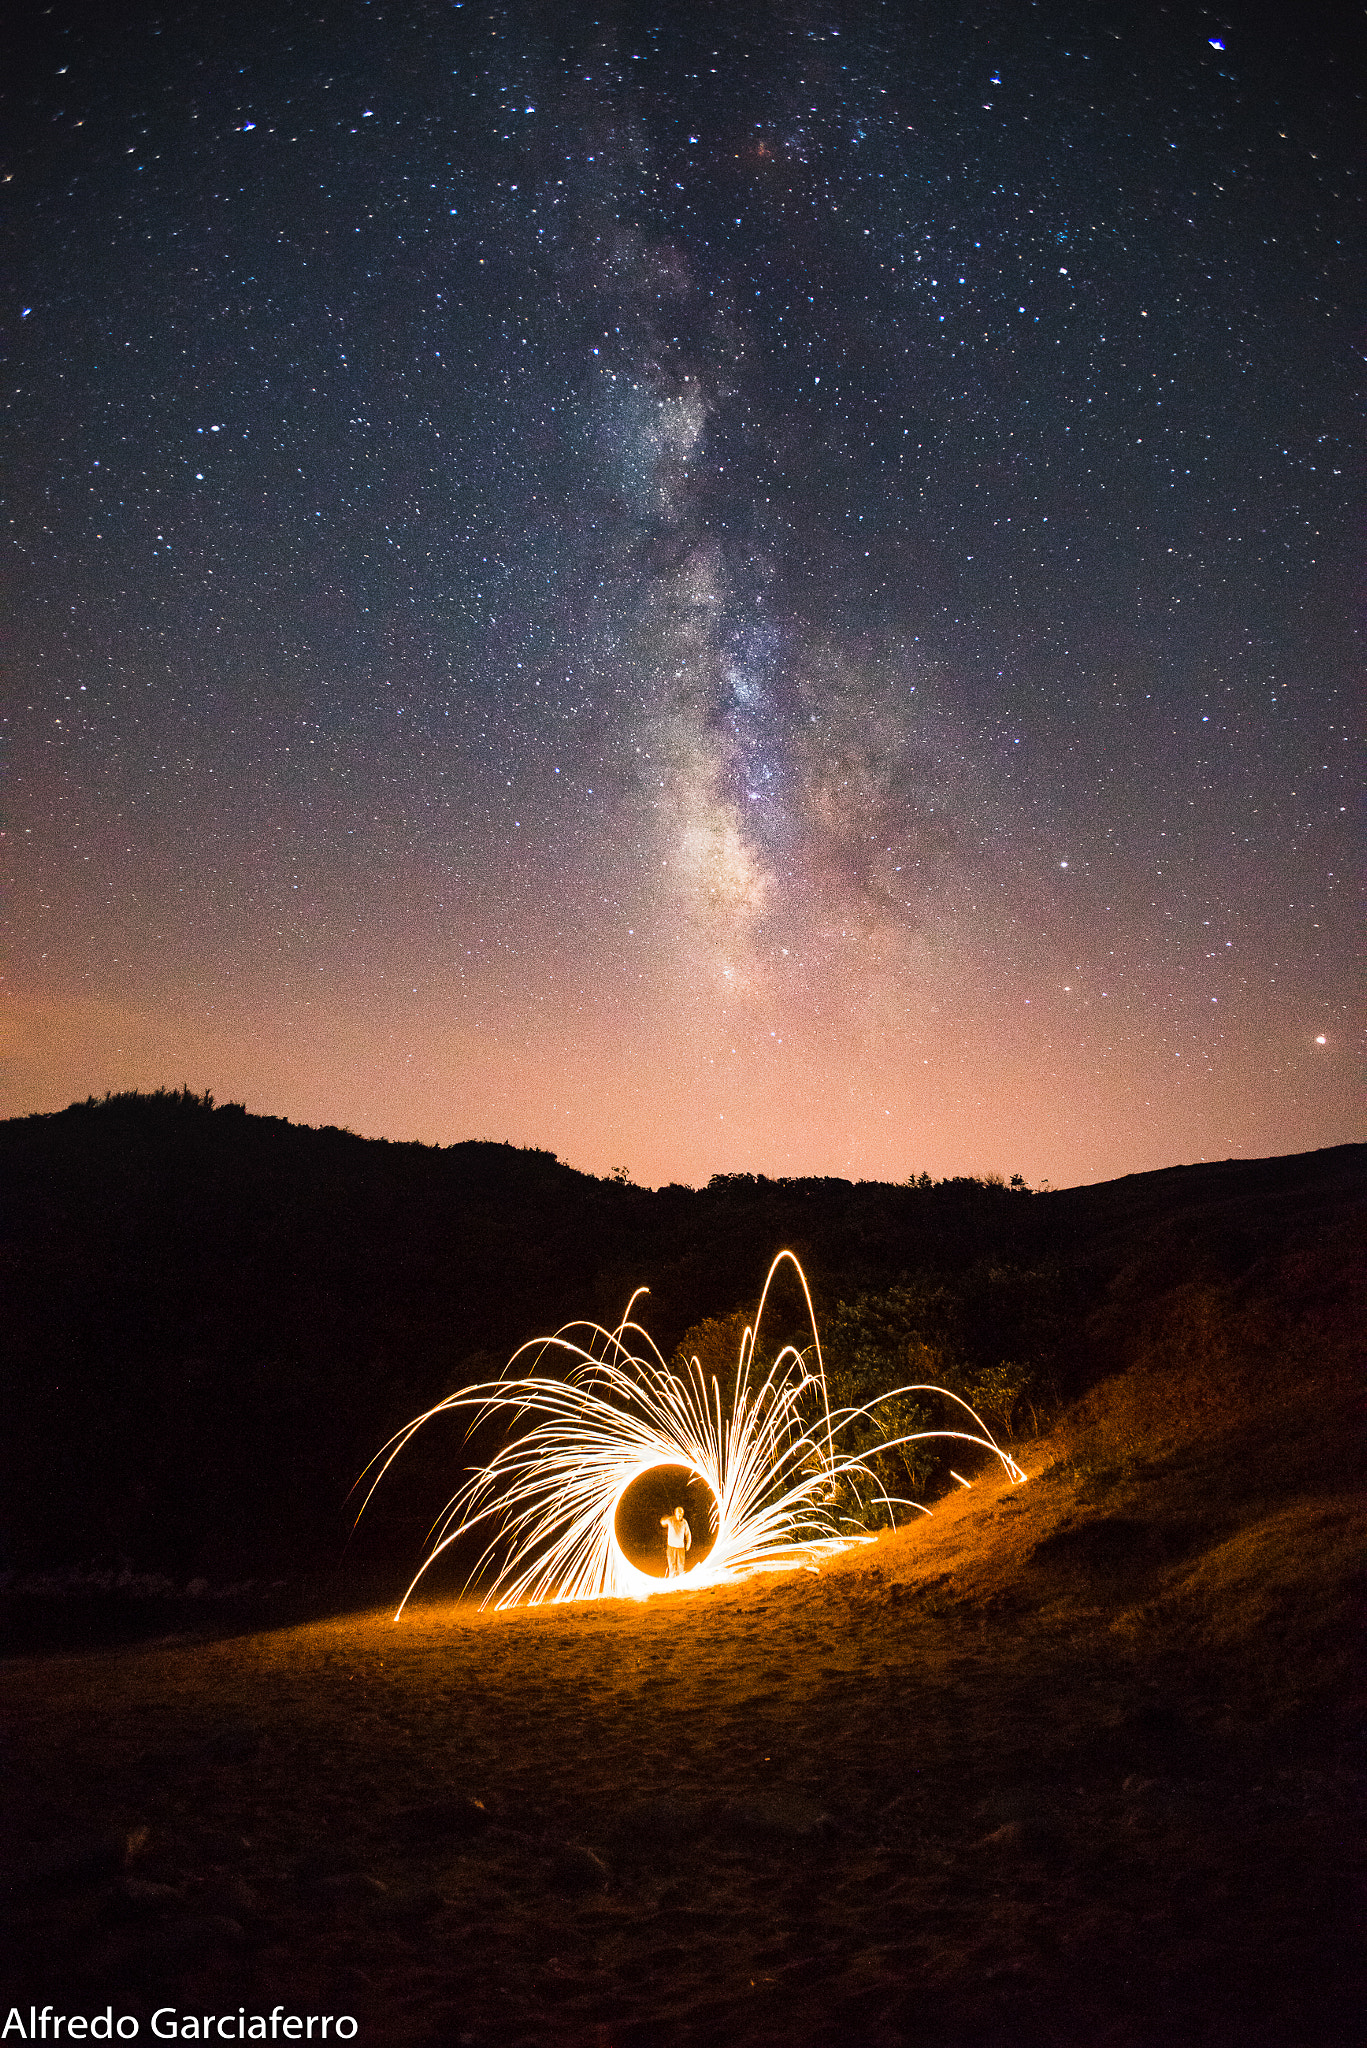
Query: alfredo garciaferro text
{"points": [[169, 2024]]}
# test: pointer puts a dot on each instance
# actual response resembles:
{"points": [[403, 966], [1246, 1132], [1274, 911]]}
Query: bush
{"points": [[924, 1333]]}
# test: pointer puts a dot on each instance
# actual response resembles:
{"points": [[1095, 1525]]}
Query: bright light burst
{"points": [[780, 1484]]}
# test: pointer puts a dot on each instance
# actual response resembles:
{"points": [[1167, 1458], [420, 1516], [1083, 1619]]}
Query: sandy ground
{"points": [[1069, 1764]]}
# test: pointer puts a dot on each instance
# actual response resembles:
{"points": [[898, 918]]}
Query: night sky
{"points": [[711, 589]]}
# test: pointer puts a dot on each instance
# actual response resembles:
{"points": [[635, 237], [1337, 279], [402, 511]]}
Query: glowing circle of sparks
{"points": [[772, 1462]]}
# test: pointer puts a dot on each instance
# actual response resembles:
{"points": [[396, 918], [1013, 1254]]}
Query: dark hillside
{"points": [[212, 1320]]}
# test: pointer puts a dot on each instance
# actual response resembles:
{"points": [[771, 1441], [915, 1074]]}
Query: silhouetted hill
{"points": [[212, 1320]]}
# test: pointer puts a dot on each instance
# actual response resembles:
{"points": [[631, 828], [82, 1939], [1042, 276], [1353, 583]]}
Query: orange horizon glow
{"points": [[694, 1100]]}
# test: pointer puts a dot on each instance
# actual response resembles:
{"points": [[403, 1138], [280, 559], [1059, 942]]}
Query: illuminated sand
{"points": [[784, 1492], [1063, 1766]]}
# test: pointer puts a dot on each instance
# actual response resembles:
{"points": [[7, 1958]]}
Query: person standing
{"points": [[678, 1543]]}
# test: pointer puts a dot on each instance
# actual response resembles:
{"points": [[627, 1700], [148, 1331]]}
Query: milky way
{"points": [[709, 589]]}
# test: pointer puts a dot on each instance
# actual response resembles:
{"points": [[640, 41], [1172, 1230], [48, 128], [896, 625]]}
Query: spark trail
{"points": [[772, 1461]]}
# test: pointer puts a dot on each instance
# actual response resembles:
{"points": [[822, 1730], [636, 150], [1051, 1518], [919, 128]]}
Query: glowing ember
{"points": [[779, 1485]]}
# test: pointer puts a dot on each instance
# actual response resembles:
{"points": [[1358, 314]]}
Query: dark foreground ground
{"points": [[1074, 1763]]}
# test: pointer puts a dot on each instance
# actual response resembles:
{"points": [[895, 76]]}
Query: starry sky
{"points": [[714, 589]]}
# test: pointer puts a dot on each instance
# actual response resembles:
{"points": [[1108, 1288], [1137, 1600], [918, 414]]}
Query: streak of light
{"points": [[782, 1486]]}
